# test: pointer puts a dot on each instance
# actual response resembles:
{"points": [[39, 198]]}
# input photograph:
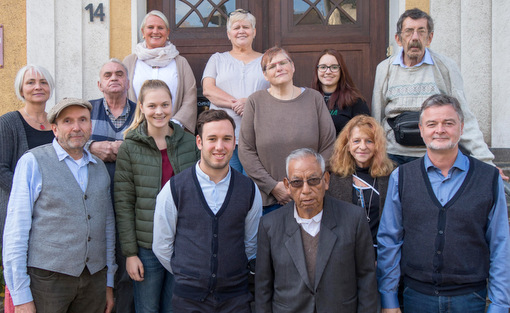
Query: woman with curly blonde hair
{"points": [[360, 168]]}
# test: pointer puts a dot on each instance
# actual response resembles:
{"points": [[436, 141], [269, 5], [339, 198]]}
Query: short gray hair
{"points": [[302, 153], [442, 100], [155, 13], [18, 81], [114, 60], [414, 14], [240, 15]]}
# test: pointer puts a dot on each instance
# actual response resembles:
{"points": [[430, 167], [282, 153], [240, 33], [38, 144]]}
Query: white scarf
{"points": [[159, 57]]}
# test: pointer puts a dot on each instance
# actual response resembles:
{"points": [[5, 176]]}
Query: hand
{"points": [[28, 307], [281, 194], [109, 300], [238, 106], [396, 310], [134, 267], [105, 150], [503, 176]]}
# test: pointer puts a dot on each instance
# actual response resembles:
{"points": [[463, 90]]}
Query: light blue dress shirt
{"points": [[391, 235], [427, 59], [165, 216], [26, 187]]}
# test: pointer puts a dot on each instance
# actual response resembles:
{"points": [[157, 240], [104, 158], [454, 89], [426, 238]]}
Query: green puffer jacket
{"points": [[137, 182]]}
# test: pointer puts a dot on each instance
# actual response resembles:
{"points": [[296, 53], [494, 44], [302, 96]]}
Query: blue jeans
{"points": [[417, 302], [154, 293], [235, 162]]}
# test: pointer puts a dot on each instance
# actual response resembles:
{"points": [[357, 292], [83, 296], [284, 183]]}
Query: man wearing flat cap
{"points": [[60, 231]]}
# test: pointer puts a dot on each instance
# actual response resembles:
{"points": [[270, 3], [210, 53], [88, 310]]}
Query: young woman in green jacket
{"points": [[153, 151]]}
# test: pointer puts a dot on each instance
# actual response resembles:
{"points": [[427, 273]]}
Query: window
{"points": [[324, 12]]}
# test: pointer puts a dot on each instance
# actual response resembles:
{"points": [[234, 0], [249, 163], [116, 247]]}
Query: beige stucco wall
{"points": [[12, 17], [423, 5], [120, 28]]}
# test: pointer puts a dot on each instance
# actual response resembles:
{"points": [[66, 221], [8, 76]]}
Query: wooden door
{"points": [[357, 28]]}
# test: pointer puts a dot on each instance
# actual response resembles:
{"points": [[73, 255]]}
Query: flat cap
{"points": [[64, 103]]}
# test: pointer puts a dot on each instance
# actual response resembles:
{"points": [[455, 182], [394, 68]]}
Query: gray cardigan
{"points": [[13, 144]]}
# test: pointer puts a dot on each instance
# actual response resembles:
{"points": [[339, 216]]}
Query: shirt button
{"points": [[87, 259], [213, 275], [215, 235], [89, 239], [436, 292], [440, 232], [438, 252], [85, 197], [214, 255], [89, 217]]}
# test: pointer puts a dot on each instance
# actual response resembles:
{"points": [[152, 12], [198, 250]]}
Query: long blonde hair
{"points": [[139, 117], [343, 163]]}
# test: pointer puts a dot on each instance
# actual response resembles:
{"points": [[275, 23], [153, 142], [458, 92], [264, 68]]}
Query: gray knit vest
{"points": [[445, 251], [68, 226], [209, 255]]}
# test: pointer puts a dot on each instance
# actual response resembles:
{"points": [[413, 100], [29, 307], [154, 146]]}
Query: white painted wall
{"points": [[61, 38], [500, 74]]}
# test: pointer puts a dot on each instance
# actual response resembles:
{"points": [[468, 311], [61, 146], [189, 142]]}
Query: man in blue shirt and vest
{"points": [[218, 211], [59, 241], [444, 226]]}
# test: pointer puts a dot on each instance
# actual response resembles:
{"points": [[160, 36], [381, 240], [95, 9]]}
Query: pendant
{"points": [[368, 219], [42, 127]]}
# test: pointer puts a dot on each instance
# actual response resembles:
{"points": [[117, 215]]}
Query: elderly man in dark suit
{"points": [[314, 254]]}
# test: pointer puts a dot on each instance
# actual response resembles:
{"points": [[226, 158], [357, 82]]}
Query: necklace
{"points": [[361, 199], [41, 125]]}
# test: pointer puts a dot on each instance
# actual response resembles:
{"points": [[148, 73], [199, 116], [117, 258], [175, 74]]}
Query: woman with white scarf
{"points": [[157, 58]]}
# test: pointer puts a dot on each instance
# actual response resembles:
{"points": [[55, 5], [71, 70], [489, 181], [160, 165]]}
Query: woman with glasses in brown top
{"points": [[331, 78], [277, 121]]}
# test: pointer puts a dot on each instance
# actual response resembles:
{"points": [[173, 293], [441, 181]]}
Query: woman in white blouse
{"points": [[230, 77], [157, 58]]}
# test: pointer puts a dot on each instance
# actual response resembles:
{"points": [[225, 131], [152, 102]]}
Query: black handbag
{"points": [[406, 130]]}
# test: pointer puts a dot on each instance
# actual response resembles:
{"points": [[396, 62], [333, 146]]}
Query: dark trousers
{"points": [[239, 304], [59, 293], [123, 285]]}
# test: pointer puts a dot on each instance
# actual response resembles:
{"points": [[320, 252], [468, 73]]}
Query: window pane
{"points": [[307, 12], [203, 13]]}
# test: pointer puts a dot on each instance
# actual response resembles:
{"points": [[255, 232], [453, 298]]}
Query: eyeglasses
{"points": [[298, 183], [272, 66], [333, 68], [243, 11], [409, 32]]}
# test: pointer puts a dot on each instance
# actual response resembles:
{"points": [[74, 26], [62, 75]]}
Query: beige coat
{"points": [[185, 101]]}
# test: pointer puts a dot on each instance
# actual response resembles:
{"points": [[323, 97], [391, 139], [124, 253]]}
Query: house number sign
{"points": [[97, 13]]}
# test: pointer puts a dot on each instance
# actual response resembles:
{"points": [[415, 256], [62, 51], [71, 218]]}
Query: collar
{"points": [[461, 162], [399, 60], [125, 112], [316, 219], [205, 177], [62, 154]]}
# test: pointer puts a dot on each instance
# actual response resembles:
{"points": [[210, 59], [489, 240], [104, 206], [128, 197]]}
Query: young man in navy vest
{"points": [[111, 116], [218, 210], [59, 243], [444, 226]]}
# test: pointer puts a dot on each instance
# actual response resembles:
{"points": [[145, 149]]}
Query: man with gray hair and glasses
{"points": [[315, 253], [444, 227], [406, 79]]}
